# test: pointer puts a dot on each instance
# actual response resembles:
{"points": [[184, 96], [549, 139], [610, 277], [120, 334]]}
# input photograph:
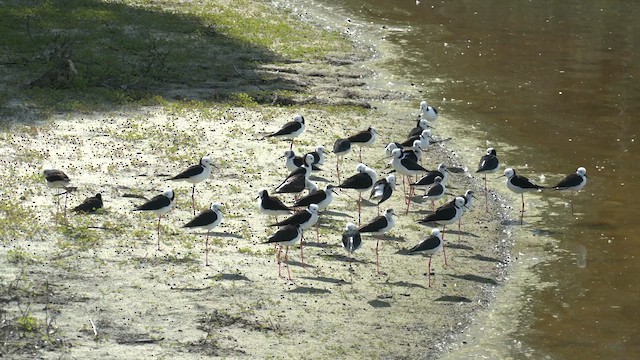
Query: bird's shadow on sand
{"points": [[219, 234], [475, 278], [337, 214], [308, 290], [325, 279]]}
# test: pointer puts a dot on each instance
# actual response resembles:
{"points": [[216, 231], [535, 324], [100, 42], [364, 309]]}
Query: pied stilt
{"points": [[290, 130], [383, 189], [363, 138], [435, 192], [57, 179], [428, 113], [429, 246], [90, 204], [361, 182], [340, 148], [445, 215], [159, 204], [305, 218], [207, 219], [285, 236], [195, 174], [519, 185], [379, 225], [489, 164], [573, 182]]}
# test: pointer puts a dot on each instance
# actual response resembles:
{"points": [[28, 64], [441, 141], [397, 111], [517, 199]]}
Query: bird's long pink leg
{"points": [[286, 260], [444, 251], [159, 217], [429, 270], [206, 250]]}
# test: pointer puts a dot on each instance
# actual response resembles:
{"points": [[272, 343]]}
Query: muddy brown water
{"points": [[552, 85]]}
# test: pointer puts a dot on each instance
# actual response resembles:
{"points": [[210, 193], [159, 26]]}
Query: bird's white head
{"points": [[262, 193], [351, 227], [308, 159], [416, 145], [426, 133], [216, 206], [361, 168], [391, 179], [320, 149], [442, 168], [206, 161], [298, 118], [288, 154], [423, 105], [509, 173], [388, 213], [396, 153], [459, 202], [168, 193], [438, 180], [313, 208], [581, 171], [424, 124], [436, 232]]}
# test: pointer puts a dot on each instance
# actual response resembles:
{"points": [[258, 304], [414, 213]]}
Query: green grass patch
{"points": [[141, 52]]}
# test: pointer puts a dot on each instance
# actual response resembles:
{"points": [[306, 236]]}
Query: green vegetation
{"points": [[147, 52]]}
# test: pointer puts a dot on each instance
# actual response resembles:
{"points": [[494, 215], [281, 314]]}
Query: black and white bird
{"points": [[304, 218], [424, 137], [435, 192], [379, 225], [428, 112], [340, 148], [445, 215], [363, 138], [422, 124], [408, 167], [519, 185], [207, 219], [318, 155], [415, 152], [429, 179], [294, 162], [383, 189], [390, 147], [195, 174], [573, 182], [286, 236], [57, 179], [290, 130], [351, 239], [489, 164], [159, 204], [361, 182], [322, 198], [429, 246], [271, 205], [295, 185], [90, 204], [297, 180]]}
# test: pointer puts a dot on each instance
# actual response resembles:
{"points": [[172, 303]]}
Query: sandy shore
{"points": [[100, 288]]}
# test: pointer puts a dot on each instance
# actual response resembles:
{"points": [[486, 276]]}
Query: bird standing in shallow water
{"points": [[195, 174], [573, 182], [519, 185], [159, 204], [207, 219], [489, 164]]}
